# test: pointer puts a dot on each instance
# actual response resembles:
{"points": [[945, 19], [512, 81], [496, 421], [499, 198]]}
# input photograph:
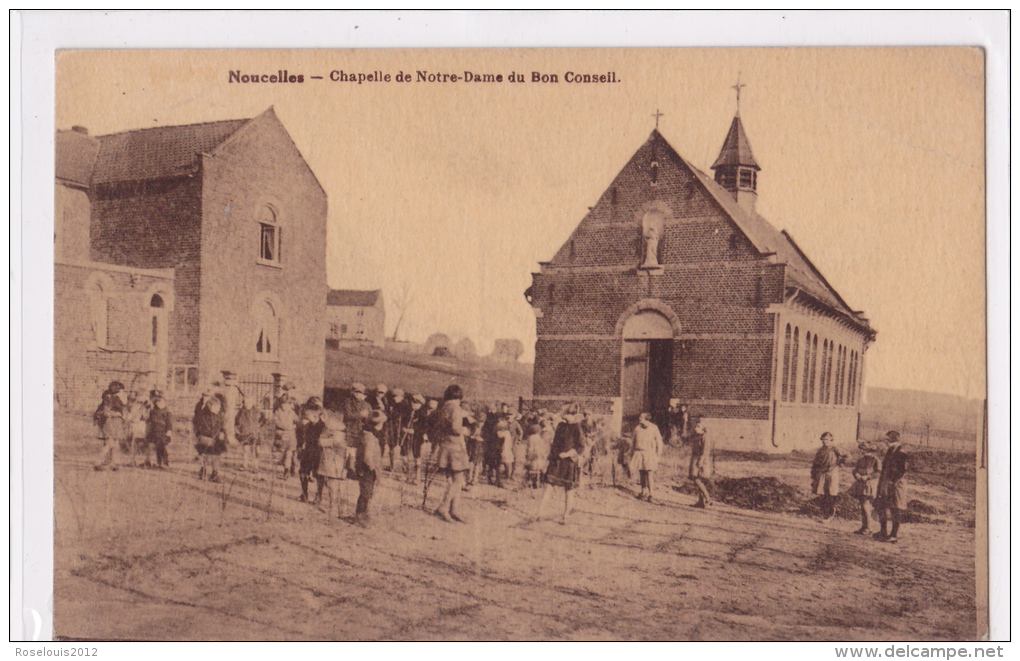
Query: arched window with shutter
{"points": [[786, 362]]}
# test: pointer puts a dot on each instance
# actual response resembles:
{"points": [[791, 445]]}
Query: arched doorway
{"points": [[646, 378]]}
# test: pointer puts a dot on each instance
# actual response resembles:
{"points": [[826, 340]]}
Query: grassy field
{"points": [[482, 380], [156, 555]]}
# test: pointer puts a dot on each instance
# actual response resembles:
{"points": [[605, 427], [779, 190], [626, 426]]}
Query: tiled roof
{"points": [[358, 298], [766, 239], [165, 151], [736, 149], [75, 157]]}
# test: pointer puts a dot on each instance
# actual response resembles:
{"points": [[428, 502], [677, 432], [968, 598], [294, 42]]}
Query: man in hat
{"points": [[309, 452], [355, 411], [892, 489], [369, 462]]}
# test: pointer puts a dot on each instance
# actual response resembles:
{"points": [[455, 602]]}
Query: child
{"points": [[369, 462], [536, 458], [210, 439], [331, 470], [564, 469], [825, 475], [158, 430], [109, 416], [865, 488], [285, 419], [137, 413], [308, 430], [644, 456], [248, 428], [505, 442], [702, 464]]}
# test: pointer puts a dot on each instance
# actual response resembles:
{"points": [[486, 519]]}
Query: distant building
{"points": [[197, 249], [354, 315], [673, 288]]}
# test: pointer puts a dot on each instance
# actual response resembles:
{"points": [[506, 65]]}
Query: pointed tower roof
{"points": [[736, 149]]}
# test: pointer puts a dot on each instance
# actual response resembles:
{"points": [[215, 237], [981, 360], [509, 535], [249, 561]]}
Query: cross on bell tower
{"points": [[735, 169], [657, 115]]}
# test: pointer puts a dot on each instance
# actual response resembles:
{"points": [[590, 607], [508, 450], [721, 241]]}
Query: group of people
{"points": [[390, 430], [879, 483]]}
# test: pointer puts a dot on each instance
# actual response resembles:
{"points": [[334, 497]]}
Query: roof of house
{"points": [[766, 239], [76, 157], [357, 298], [736, 149]]}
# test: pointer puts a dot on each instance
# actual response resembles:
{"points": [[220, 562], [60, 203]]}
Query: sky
{"points": [[872, 159]]}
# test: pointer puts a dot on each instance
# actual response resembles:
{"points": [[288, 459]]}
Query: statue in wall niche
{"points": [[651, 249]]}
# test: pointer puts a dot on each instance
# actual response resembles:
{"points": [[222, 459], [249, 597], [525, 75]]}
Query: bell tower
{"points": [[735, 168]]}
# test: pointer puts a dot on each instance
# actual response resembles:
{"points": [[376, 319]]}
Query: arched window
{"points": [[267, 331], [823, 378], [806, 385], [793, 364], [269, 234], [786, 362], [814, 368], [98, 312], [828, 373], [850, 381], [156, 303]]}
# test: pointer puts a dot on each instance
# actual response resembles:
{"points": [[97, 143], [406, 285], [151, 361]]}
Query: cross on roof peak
{"points": [[738, 87], [657, 115]]}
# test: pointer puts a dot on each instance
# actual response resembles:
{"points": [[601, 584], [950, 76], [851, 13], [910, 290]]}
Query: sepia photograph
{"points": [[549, 344]]}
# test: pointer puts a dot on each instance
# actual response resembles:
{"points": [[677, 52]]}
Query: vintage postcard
{"points": [[520, 344]]}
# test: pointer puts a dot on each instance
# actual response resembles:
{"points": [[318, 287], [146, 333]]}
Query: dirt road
{"points": [[144, 554]]}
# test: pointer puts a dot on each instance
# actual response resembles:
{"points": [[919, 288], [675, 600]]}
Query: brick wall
{"points": [[260, 165], [156, 224], [577, 367]]}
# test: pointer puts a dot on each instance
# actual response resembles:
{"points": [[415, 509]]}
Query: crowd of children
{"points": [[411, 437]]}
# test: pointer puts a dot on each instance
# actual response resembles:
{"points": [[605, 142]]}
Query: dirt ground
{"points": [[145, 554]]}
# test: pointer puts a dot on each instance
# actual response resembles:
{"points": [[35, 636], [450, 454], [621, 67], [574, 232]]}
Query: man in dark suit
{"points": [[892, 489]]}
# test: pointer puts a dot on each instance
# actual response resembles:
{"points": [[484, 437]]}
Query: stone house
{"points": [[231, 219], [354, 315]]}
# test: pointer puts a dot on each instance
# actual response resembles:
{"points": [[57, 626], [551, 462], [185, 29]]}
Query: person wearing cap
{"points": [[429, 430], [825, 475], [110, 417], [865, 487], [453, 456], [413, 436], [309, 452], [702, 463], [398, 413], [565, 454], [135, 417], [210, 439], [644, 455], [892, 489], [369, 463], [159, 429], [355, 410], [536, 457], [377, 398]]}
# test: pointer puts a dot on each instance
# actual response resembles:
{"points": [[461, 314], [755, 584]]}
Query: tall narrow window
{"points": [[828, 372], [786, 362], [267, 332], [814, 368], [269, 235], [823, 377], [807, 368], [156, 302], [793, 364]]}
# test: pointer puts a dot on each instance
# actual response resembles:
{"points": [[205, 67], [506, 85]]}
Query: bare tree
{"points": [[401, 301]]}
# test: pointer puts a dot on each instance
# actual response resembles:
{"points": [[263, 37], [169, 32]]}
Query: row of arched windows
{"points": [[828, 378]]}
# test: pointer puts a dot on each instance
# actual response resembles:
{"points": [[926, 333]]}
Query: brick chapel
{"points": [[185, 251], [672, 287]]}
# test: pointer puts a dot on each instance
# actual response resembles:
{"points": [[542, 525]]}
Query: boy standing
{"points": [[248, 428], [369, 462], [702, 464], [644, 456], [158, 430], [825, 475]]}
